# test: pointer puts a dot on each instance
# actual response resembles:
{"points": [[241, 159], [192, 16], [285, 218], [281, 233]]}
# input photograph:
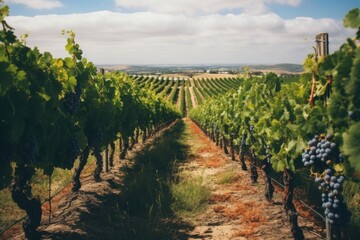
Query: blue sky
{"points": [[183, 31]]}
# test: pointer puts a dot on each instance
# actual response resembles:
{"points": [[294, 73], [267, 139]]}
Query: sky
{"points": [[136, 32]]}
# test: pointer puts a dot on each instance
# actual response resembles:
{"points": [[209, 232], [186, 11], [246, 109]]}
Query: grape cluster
{"points": [[72, 100], [73, 149], [332, 199], [268, 154], [252, 132], [321, 152], [28, 149]]}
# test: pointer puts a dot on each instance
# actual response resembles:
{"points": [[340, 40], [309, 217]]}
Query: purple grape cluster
{"points": [[321, 152], [72, 100], [332, 199], [28, 149], [268, 154], [73, 149]]}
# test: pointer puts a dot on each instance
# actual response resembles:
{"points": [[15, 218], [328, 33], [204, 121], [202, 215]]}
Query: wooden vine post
{"points": [[321, 51]]}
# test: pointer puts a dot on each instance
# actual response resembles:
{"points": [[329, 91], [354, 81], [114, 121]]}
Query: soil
{"points": [[237, 208], [193, 98]]}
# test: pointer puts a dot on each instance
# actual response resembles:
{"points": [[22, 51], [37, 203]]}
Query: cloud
{"points": [[152, 38], [201, 7], [38, 4]]}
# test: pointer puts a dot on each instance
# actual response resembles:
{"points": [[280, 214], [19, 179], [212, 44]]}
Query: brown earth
{"points": [[237, 209], [193, 98]]}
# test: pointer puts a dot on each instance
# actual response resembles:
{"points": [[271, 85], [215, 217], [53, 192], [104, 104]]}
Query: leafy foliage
{"points": [[52, 108]]}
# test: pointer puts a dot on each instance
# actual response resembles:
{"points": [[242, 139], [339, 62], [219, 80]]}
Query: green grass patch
{"points": [[190, 196], [146, 195]]}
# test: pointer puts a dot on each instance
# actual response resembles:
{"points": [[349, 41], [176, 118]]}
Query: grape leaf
{"points": [[351, 146], [352, 18]]}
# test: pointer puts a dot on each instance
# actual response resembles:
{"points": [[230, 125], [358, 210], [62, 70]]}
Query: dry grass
{"points": [[250, 214], [245, 232], [245, 188], [219, 208], [248, 211], [220, 198], [211, 162], [202, 156]]}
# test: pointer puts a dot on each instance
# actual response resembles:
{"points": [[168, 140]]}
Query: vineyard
{"points": [[133, 142], [187, 93]]}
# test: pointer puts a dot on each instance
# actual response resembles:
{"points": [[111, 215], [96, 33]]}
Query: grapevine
{"points": [[54, 110]]}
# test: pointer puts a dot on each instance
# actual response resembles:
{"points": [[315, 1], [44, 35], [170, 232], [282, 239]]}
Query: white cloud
{"points": [[197, 6], [150, 38], [38, 4]]}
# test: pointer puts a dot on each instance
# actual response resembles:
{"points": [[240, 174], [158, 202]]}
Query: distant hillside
{"points": [[197, 69], [285, 67]]}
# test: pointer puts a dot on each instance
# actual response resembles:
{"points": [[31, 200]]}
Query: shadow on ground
{"points": [[146, 196], [136, 207]]}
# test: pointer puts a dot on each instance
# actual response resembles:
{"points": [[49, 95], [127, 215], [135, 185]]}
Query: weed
{"points": [[227, 177], [190, 196]]}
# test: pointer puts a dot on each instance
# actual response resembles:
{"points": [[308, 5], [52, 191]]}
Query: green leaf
{"points": [[351, 147], [44, 96], [352, 18], [69, 62], [4, 12], [278, 166], [291, 145], [72, 81]]}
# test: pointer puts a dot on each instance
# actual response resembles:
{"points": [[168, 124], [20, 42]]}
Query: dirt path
{"points": [[236, 210], [193, 98]]}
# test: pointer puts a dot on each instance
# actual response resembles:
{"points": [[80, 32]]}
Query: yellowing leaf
{"points": [[339, 167]]}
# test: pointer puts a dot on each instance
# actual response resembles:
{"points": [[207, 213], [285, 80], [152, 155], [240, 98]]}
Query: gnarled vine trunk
{"points": [[82, 162], [125, 148], [99, 164], [269, 187], [289, 205], [242, 150], [232, 151], [254, 174], [112, 153], [132, 142], [217, 137], [32, 206], [224, 146]]}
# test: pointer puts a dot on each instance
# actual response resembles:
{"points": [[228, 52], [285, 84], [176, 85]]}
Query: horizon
{"points": [[199, 64], [155, 32]]}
